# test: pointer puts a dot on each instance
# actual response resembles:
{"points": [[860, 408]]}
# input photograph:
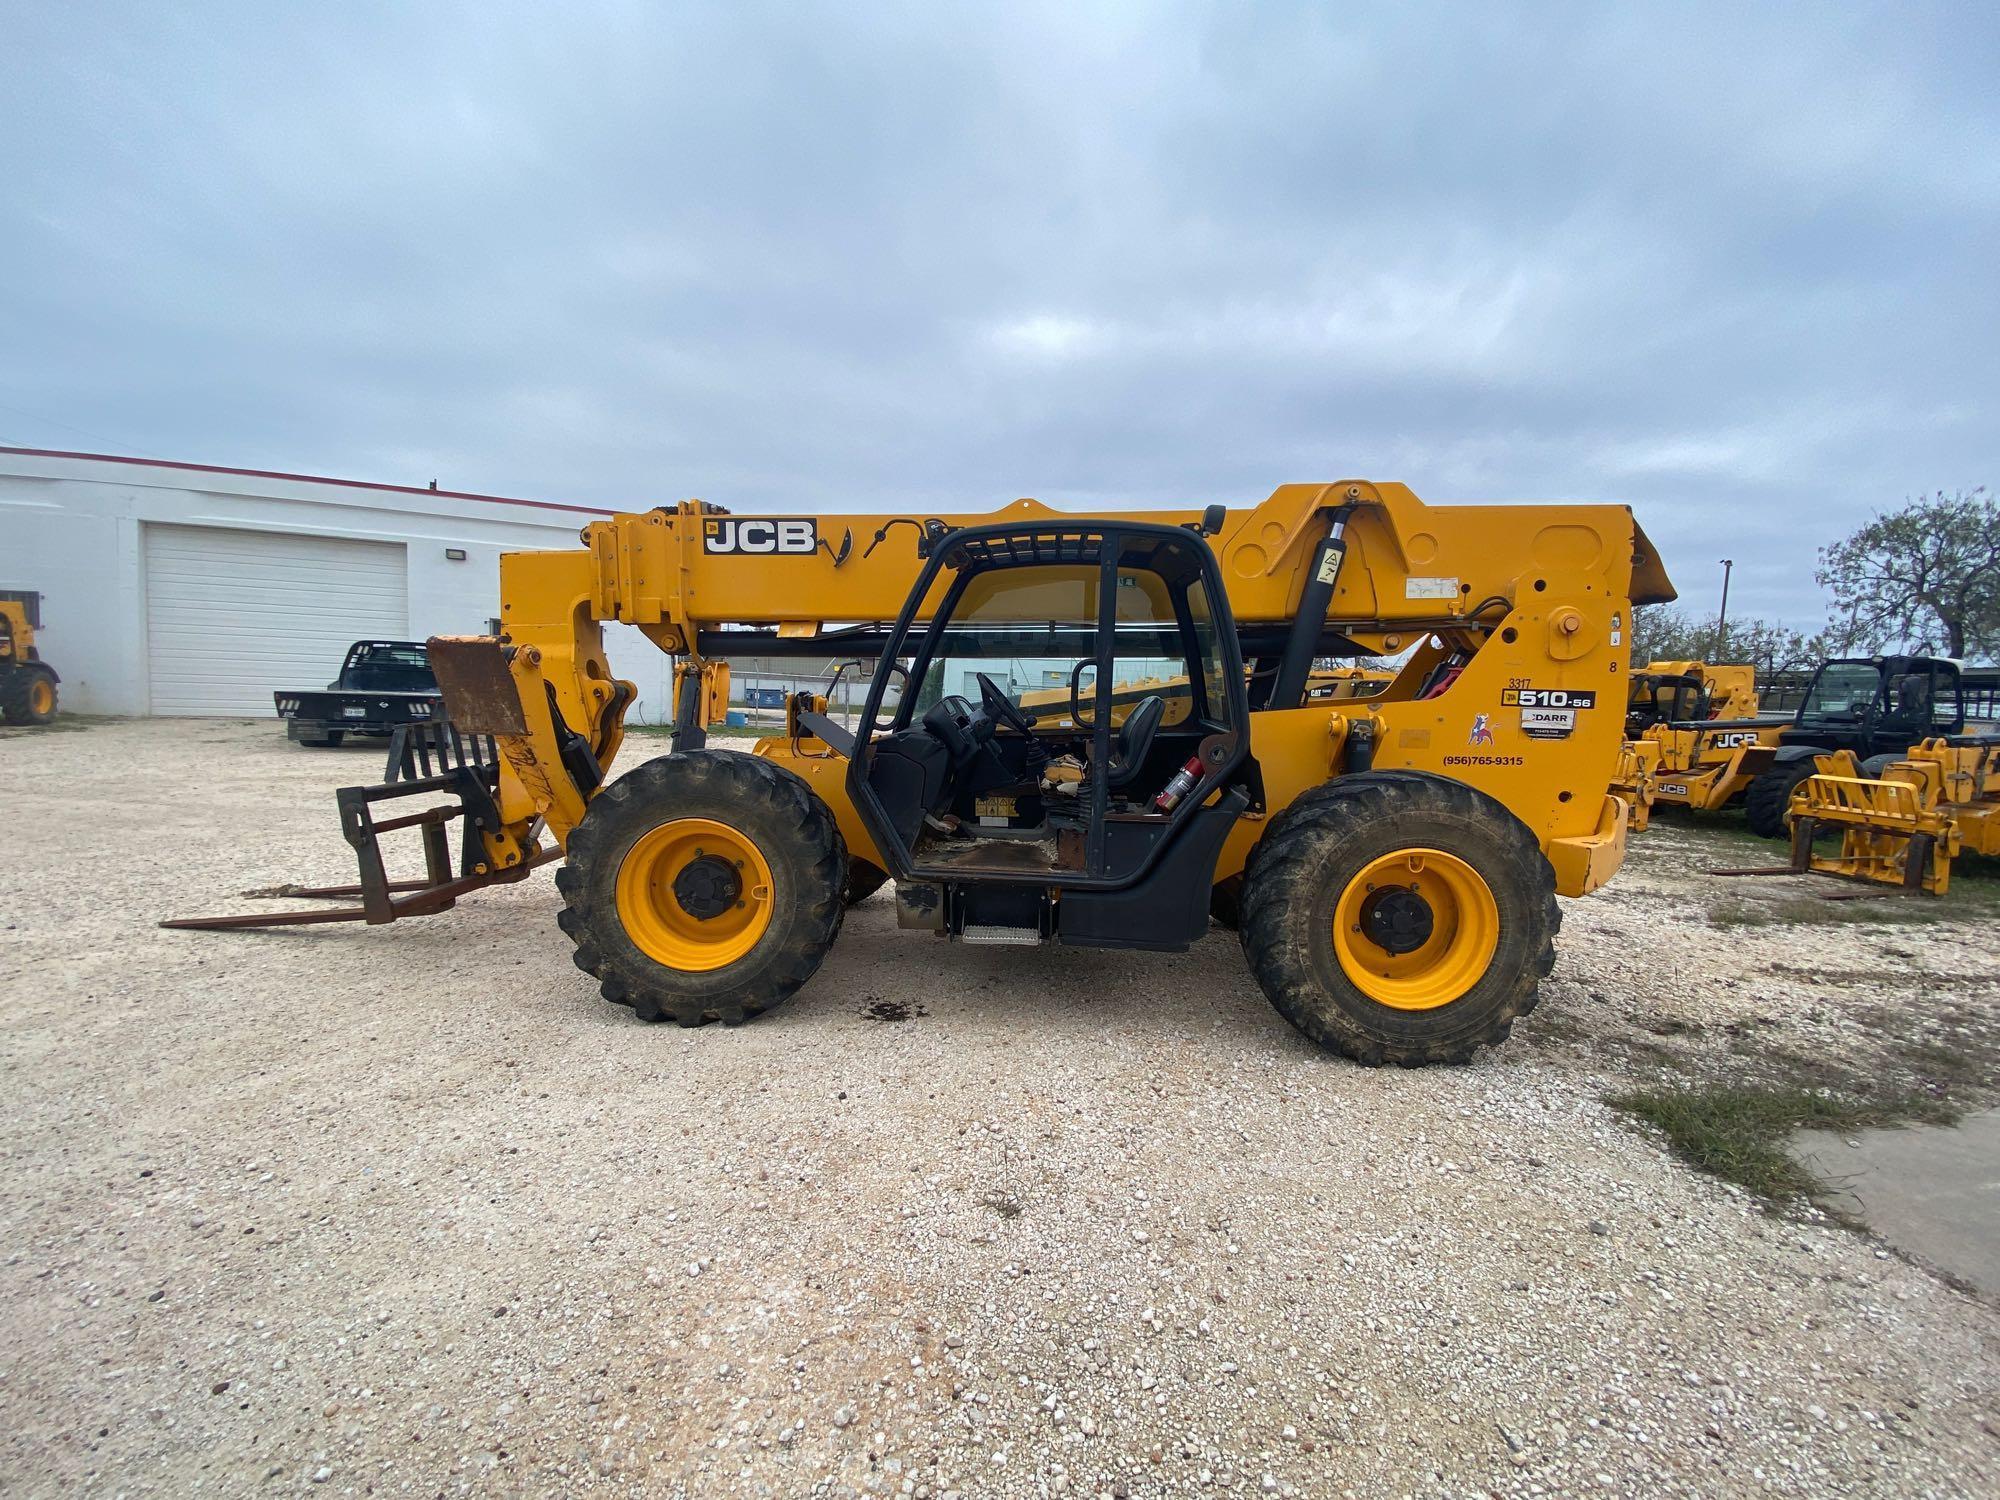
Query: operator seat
{"points": [[1134, 739], [1913, 698]]}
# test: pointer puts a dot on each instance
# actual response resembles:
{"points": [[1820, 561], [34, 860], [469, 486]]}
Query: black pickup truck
{"points": [[381, 685]]}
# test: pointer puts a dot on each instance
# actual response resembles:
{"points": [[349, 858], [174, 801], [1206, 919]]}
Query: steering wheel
{"points": [[999, 706]]}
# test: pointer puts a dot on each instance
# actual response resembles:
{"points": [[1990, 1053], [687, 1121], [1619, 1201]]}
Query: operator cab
{"points": [[1875, 705], [1664, 698], [1074, 700]]}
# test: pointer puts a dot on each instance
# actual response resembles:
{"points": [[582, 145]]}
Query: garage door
{"points": [[232, 616]]}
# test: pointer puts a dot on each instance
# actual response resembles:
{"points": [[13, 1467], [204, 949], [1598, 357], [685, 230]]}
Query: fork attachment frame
{"points": [[464, 767]]}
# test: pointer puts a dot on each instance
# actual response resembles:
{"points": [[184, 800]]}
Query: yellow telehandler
{"points": [[1399, 853], [27, 683], [1688, 692], [1695, 737]]}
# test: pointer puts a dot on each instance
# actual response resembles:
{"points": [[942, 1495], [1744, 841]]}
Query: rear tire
{"points": [[28, 695], [1767, 802], [703, 886], [864, 879], [1482, 936]]}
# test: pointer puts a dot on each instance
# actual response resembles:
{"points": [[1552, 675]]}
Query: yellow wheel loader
{"points": [[27, 683], [1398, 854]]}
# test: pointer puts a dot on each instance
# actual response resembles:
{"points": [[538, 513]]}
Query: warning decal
{"points": [[1430, 588]]}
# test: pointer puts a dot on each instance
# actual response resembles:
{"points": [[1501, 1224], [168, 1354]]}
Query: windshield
{"points": [[1842, 690], [1032, 630]]}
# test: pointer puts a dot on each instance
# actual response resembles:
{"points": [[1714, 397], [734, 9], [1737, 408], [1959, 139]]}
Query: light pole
{"points": [[1722, 614]]}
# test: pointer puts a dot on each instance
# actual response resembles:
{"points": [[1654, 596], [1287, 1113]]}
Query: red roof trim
{"points": [[352, 484]]}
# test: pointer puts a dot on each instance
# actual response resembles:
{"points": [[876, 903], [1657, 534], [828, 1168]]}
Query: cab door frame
{"points": [[973, 550]]}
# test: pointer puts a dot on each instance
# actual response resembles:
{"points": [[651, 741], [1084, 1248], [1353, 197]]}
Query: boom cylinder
{"points": [[1289, 690]]}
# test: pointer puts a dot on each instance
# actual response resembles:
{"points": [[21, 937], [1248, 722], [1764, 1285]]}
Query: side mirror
{"points": [[1211, 520]]}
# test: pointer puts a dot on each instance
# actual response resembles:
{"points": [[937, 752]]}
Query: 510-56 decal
{"points": [[1533, 697], [1547, 713]]}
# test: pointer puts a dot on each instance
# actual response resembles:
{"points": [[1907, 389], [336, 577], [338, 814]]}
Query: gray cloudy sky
{"points": [[1738, 272]]}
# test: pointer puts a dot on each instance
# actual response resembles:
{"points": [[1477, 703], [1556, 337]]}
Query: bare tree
{"points": [[1661, 632], [1773, 647], [1924, 576]]}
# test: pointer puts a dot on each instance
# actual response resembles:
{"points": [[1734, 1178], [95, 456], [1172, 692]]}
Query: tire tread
{"points": [[740, 780], [1280, 879], [1767, 801], [16, 685]]}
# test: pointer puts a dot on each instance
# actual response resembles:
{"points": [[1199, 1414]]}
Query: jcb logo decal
{"points": [[1734, 738], [759, 534]]}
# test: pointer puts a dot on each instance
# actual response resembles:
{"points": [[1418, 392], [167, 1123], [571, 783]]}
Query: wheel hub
{"points": [[707, 887], [1396, 920], [1416, 928]]}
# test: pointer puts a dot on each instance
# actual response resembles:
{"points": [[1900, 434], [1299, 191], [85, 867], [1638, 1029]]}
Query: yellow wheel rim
{"points": [[694, 894], [1416, 929], [41, 696]]}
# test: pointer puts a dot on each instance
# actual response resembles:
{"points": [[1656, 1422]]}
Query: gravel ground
{"points": [[349, 1211]]}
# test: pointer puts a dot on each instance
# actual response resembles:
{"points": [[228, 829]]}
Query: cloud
{"points": [[1733, 269], [1047, 337]]}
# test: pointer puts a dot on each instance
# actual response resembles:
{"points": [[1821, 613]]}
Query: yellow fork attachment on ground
{"points": [[1904, 827], [1893, 830]]}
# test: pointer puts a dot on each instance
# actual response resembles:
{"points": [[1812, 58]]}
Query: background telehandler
{"points": [[1876, 708], [1686, 692], [1694, 737], [1399, 854], [27, 683]]}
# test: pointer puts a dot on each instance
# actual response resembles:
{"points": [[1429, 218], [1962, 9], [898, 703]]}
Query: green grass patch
{"points": [[1739, 1132], [1977, 869], [1962, 1070]]}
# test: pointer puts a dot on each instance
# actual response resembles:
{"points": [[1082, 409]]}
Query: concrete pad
{"points": [[1930, 1190]]}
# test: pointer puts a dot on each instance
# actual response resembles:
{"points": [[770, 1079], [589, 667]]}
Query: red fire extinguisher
{"points": [[1183, 782]]}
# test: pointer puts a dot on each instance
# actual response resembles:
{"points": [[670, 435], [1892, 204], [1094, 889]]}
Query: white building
{"points": [[190, 589]]}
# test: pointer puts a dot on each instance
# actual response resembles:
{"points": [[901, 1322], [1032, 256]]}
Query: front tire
{"points": [[1400, 917], [1767, 801], [705, 885], [28, 696], [1225, 904]]}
